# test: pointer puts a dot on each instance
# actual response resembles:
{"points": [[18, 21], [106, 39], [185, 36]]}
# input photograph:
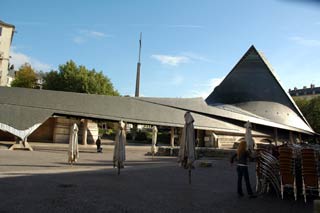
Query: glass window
{"points": [[0, 31]]}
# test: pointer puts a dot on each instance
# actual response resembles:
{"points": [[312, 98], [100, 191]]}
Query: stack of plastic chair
{"points": [[287, 170], [267, 170], [310, 180]]}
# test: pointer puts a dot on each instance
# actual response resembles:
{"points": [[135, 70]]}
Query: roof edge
{"points": [[7, 25]]}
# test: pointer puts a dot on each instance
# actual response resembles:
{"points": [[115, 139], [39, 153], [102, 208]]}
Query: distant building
{"points": [[6, 36], [305, 93], [11, 76]]}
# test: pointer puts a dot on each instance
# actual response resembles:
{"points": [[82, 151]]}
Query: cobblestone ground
{"points": [[42, 181]]}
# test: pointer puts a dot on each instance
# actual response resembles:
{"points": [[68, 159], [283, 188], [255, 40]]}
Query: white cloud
{"points": [[190, 26], [96, 34], [171, 60], [204, 90], [184, 57], [305, 42], [78, 40], [92, 34], [85, 35], [18, 59], [177, 80], [195, 56]]}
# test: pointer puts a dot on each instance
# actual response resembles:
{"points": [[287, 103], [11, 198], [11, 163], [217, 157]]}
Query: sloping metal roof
{"points": [[23, 108], [253, 86]]}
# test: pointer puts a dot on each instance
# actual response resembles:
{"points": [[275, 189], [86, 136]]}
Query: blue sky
{"points": [[188, 46]]}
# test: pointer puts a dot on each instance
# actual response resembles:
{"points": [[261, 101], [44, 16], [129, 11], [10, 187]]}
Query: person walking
{"points": [[242, 156], [98, 143]]}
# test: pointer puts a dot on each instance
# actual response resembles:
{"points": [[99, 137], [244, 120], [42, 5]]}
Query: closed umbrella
{"points": [[73, 152], [187, 144], [154, 140], [119, 154], [248, 136]]}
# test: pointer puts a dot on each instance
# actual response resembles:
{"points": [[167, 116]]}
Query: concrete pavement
{"points": [[42, 181]]}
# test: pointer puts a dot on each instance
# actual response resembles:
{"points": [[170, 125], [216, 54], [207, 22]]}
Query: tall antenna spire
{"points": [[138, 69]]}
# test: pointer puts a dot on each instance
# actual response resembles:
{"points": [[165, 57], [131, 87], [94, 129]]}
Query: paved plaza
{"points": [[42, 181]]}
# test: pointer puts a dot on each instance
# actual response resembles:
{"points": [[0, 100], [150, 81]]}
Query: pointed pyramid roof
{"points": [[253, 86]]}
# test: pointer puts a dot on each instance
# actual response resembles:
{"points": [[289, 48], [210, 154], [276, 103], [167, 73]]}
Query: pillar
{"points": [[291, 137], [276, 136], [198, 138], [172, 137], [300, 138], [22, 144], [134, 131], [215, 140], [85, 132], [54, 131]]}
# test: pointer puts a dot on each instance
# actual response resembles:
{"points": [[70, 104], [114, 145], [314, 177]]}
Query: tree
{"points": [[311, 110], [73, 78], [25, 77]]}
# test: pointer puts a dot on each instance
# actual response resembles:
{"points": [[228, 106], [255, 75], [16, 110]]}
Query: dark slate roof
{"points": [[253, 86]]}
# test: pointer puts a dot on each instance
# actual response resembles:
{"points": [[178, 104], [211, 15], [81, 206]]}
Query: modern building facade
{"points": [[6, 36], [250, 92]]}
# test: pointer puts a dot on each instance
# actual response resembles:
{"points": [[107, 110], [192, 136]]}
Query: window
{"points": [[0, 31]]}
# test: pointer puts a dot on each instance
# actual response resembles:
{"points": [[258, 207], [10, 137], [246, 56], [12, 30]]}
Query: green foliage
{"points": [[73, 78], [311, 111], [25, 77]]}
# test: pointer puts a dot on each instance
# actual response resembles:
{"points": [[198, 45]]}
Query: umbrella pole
{"points": [[189, 175]]}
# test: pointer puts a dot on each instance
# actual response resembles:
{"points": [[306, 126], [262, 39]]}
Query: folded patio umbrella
{"points": [[154, 140], [187, 144], [119, 152], [248, 136], [73, 151]]}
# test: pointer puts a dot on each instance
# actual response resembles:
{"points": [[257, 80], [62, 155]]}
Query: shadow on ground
{"points": [[143, 189]]}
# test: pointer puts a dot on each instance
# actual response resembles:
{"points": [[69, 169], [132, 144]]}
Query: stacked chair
{"points": [[287, 170], [267, 170], [309, 167]]}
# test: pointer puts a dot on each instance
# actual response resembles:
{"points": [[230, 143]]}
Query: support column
{"points": [[300, 138], [54, 131], [276, 136], [172, 137], [134, 131], [21, 145], [291, 137], [215, 140], [198, 138], [85, 132]]}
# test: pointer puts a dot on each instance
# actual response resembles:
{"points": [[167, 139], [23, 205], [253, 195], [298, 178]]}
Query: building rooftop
{"points": [[312, 90], [6, 24]]}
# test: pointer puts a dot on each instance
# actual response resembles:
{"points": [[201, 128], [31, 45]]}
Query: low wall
{"points": [[200, 152]]}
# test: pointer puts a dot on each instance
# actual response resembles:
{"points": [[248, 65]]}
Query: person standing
{"points": [[242, 156]]}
